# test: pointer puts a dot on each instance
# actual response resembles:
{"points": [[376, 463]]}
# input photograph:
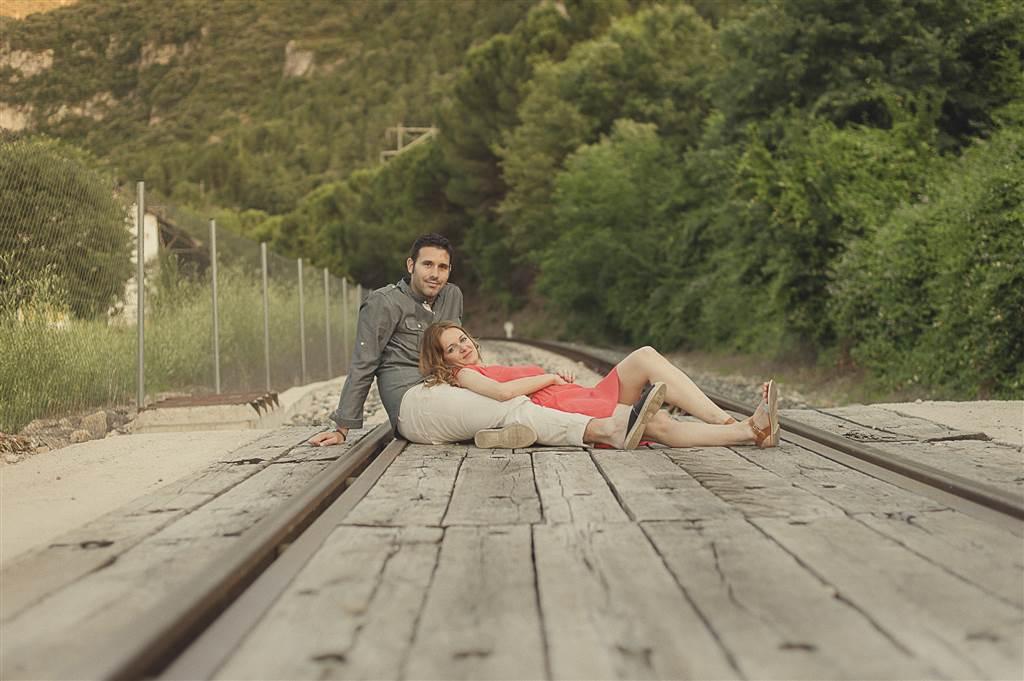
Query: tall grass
{"points": [[53, 365]]}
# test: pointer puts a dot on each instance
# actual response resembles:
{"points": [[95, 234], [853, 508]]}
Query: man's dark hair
{"points": [[435, 240]]}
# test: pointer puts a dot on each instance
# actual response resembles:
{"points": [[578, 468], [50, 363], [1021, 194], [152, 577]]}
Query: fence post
{"points": [[140, 228], [216, 317], [327, 320], [302, 325], [266, 312], [344, 323]]}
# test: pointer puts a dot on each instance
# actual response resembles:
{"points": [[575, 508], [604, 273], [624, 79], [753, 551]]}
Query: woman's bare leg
{"points": [[647, 365], [666, 430]]}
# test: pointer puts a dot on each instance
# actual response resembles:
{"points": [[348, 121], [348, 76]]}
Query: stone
{"points": [[80, 436], [96, 424]]}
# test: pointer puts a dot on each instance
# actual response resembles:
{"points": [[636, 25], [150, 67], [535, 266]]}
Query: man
{"points": [[391, 323]]}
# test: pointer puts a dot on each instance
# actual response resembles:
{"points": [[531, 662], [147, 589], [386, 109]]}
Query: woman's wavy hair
{"points": [[432, 364]]}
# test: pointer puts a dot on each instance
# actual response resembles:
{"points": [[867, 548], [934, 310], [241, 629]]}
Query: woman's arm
{"points": [[488, 387]]}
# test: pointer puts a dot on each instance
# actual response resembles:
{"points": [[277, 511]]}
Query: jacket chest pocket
{"points": [[413, 325]]}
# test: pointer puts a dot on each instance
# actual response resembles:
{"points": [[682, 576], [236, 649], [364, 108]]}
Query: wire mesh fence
{"points": [[68, 330]]}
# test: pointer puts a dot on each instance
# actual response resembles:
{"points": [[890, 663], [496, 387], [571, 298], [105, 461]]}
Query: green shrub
{"points": [[935, 295]]}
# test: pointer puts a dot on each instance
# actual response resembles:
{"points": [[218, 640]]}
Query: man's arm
{"points": [[377, 322]]}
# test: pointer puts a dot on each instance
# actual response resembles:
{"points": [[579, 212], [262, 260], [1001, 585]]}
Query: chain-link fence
{"points": [[68, 297]]}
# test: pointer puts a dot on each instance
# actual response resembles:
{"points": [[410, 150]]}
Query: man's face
{"points": [[429, 273]]}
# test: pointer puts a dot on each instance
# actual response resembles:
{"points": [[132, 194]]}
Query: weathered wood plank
{"points": [[843, 427], [749, 488], [572, 489], [926, 442], [612, 610], [350, 613], [494, 487], [415, 489], [958, 628], [234, 512], [280, 442], [849, 489], [776, 619], [988, 462], [99, 542], [899, 424], [979, 552], [80, 618], [481, 619], [652, 487]]}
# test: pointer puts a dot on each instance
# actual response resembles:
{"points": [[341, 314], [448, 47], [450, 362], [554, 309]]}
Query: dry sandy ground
{"points": [[53, 492]]}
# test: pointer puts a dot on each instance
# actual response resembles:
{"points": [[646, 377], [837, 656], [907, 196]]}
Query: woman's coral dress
{"points": [[598, 402]]}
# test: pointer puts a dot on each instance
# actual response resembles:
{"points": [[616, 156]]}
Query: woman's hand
{"points": [[566, 376]]}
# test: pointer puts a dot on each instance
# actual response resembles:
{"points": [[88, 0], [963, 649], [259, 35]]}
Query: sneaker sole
{"points": [[650, 407], [510, 437]]}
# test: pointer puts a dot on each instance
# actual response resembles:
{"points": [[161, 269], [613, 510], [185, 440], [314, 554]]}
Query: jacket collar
{"points": [[403, 285]]}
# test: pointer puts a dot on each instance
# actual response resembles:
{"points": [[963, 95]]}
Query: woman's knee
{"points": [[644, 354]]}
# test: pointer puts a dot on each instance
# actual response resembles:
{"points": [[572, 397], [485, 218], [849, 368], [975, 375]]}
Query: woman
{"points": [[448, 354]]}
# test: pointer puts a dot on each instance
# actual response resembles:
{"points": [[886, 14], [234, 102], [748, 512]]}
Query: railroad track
{"points": [[191, 633]]}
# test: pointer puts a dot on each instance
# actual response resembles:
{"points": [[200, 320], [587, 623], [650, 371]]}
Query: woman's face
{"points": [[458, 349]]}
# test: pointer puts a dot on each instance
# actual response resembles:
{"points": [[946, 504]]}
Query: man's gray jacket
{"points": [[391, 322]]}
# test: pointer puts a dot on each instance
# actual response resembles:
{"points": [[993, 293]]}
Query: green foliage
{"points": [[851, 62], [651, 67], [935, 295], [786, 214], [64, 238], [772, 176], [613, 215], [194, 92], [363, 226]]}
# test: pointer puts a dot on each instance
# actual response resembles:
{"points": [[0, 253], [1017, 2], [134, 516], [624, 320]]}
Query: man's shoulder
{"points": [[385, 294], [452, 291]]}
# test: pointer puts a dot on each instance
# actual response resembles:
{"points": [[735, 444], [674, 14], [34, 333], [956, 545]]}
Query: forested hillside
{"points": [[254, 103], [830, 179]]}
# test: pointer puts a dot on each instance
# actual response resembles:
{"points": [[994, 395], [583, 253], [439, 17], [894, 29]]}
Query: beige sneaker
{"points": [[510, 437]]}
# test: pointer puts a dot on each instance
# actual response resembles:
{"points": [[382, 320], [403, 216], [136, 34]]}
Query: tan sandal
{"points": [[769, 435]]}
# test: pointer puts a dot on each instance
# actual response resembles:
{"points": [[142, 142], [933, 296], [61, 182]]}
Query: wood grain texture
{"points": [[481, 619], [572, 489], [776, 619], [936, 616], [83, 615], [750, 489], [494, 487], [651, 487], [415, 489], [613, 611], [349, 614]]}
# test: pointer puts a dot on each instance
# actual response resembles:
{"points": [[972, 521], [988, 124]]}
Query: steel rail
{"points": [[898, 467], [150, 642], [205, 655]]}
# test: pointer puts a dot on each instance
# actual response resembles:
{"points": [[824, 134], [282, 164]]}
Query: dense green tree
{"points": [[64, 238], [483, 107], [854, 62], [651, 67], [614, 217]]}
